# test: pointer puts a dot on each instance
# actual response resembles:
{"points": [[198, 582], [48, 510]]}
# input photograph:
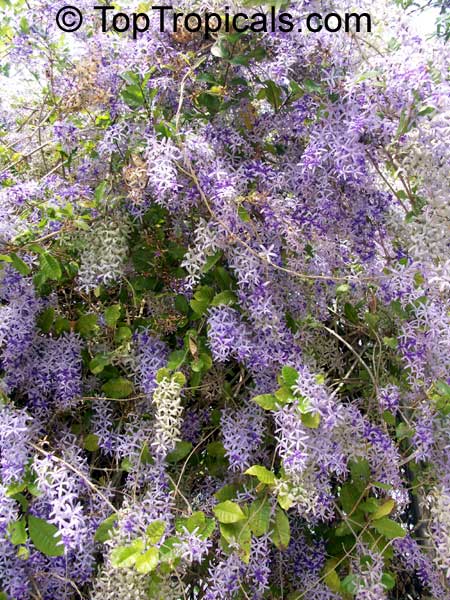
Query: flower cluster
{"points": [[168, 412], [103, 254]]}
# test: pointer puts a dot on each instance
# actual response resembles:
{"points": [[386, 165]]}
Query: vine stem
{"points": [[190, 71], [93, 487], [24, 157], [353, 351], [202, 441]]}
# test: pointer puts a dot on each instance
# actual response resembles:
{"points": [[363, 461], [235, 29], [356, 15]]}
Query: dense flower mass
{"points": [[224, 310]]}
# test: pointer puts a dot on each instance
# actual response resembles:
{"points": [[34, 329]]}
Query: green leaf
{"points": [[208, 529], [370, 505], [285, 501], [228, 512], [227, 492], [360, 471], [243, 213], [112, 314], [290, 376], [389, 528], [263, 474], [39, 280], [343, 288], [331, 579], [126, 556], [427, 110], [19, 265], [102, 533], [372, 320], [123, 334], [223, 278], [162, 374], [21, 499], [226, 297], [45, 319], [50, 266], [211, 102], [398, 309], [131, 77], [381, 485], [146, 457], [311, 86], [368, 75], [404, 123], [388, 581], [118, 388], [34, 489], [311, 420], [181, 450], [100, 190], [391, 342], [87, 325], [98, 363], [17, 531], [147, 562], [272, 92], [61, 325], [168, 553], [133, 96], [238, 533], [202, 298], [351, 313], [176, 359], [259, 516], [440, 395], [15, 488], [385, 509], [199, 306], [24, 554], [281, 534], [304, 405], [402, 431], [443, 388], [266, 401], [155, 531], [388, 418], [179, 378], [197, 365], [211, 261], [216, 449], [196, 521], [350, 584], [45, 537], [349, 496], [284, 395], [91, 442], [181, 304], [347, 528]]}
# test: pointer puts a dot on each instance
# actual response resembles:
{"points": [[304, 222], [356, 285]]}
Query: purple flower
{"points": [[389, 398], [242, 433], [151, 356]]}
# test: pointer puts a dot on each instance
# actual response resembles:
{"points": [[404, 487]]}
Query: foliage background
{"points": [[224, 319]]}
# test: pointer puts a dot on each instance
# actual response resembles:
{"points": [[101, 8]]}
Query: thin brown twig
{"points": [[88, 482], [24, 157]]}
